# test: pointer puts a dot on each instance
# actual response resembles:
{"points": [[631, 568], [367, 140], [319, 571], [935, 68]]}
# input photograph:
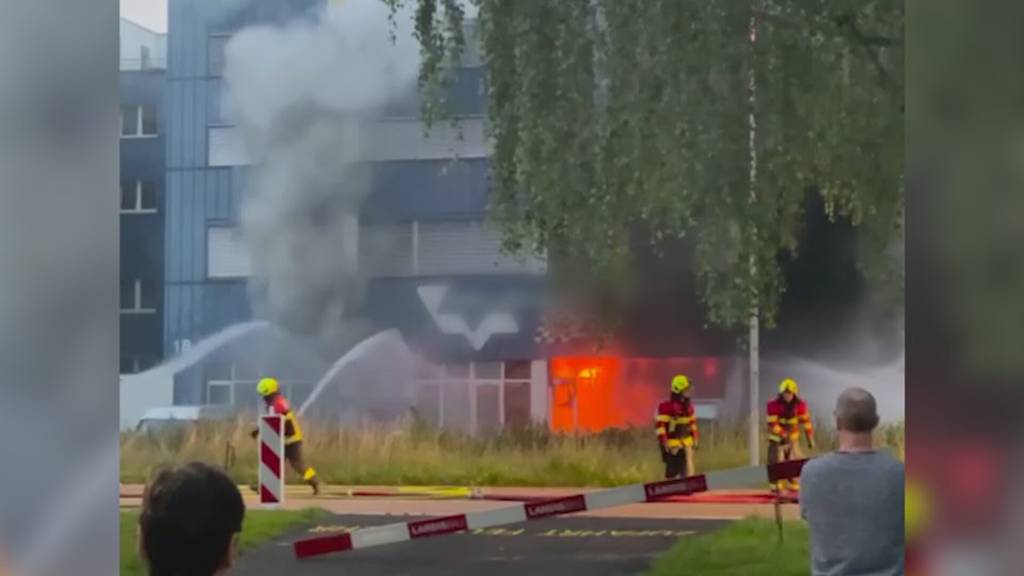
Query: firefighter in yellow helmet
{"points": [[276, 403], [787, 414], [676, 426]]}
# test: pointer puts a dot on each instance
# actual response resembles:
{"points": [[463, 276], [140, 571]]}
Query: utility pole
{"points": [[755, 369]]}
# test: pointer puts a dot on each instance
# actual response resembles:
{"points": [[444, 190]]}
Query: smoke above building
{"points": [[301, 96]]}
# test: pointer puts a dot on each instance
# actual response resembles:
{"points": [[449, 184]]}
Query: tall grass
{"points": [[414, 453]]}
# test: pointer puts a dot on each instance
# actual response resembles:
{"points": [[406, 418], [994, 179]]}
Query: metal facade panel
{"points": [[194, 311], [223, 304], [186, 124], [189, 158], [219, 191], [383, 141], [466, 97], [190, 196], [402, 139], [427, 190], [172, 204], [197, 226], [214, 93], [467, 247], [173, 123], [386, 250]]}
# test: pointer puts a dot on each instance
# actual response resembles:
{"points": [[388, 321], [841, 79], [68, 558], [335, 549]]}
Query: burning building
{"points": [[271, 213]]}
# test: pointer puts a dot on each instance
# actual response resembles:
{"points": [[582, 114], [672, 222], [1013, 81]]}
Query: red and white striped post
{"points": [[271, 465]]}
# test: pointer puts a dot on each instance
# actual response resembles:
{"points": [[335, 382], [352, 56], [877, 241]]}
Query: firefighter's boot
{"points": [[311, 478]]}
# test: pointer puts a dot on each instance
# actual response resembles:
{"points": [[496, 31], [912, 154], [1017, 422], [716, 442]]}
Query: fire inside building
{"points": [[487, 348]]}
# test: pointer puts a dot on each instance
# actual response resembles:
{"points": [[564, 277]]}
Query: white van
{"points": [[171, 417]]}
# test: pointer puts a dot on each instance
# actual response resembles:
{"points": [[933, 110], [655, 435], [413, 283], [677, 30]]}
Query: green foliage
{"points": [[750, 547], [616, 117]]}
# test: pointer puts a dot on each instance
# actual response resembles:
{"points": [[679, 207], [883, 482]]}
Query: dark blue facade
{"points": [[472, 299], [427, 191], [142, 227], [198, 196]]}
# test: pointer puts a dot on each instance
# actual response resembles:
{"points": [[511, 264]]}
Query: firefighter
{"points": [[787, 414], [270, 391], [676, 426]]}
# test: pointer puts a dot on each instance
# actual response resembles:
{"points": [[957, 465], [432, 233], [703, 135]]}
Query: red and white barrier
{"points": [[271, 466], [748, 477]]}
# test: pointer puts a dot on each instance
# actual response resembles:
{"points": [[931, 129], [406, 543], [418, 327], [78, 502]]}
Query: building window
{"points": [[138, 197], [138, 122], [138, 297], [227, 255], [517, 403], [215, 45], [219, 393], [460, 371], [487, 370], [517, 370], [225, 147]]}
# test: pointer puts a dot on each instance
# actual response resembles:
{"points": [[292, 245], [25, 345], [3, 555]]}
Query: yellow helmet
{"points": [[788, 385], [679, 384], [267, 386]]}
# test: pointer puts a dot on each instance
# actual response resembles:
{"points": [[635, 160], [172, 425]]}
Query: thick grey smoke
{"points": [[302, 96]]}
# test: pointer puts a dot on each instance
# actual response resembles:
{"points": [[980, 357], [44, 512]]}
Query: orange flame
{"points": [[590, 394]]}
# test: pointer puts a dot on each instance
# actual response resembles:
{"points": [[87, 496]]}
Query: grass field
{"points": [[749, 547], [418, 454], [259, 526]]}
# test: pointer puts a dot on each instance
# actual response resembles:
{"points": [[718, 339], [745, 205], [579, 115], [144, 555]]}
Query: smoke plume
{"points": [[302, 96]]}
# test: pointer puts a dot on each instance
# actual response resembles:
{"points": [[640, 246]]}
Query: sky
{"points": [[149, 13]]}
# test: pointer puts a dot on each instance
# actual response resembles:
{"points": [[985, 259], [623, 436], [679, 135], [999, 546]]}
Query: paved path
{"points": [[576, 545]]}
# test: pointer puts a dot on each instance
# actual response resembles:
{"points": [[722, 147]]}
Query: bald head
{"points": [[856, 411]]}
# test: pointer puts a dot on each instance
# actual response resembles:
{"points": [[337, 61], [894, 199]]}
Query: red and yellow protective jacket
{"points": [[785, 418], [676, 423], [279, 405]]}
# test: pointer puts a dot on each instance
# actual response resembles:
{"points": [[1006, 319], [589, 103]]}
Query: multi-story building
{"points": [[471, 313], [143, 67]]}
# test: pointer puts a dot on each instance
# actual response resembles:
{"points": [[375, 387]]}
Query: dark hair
{"points": [[189, 515]]}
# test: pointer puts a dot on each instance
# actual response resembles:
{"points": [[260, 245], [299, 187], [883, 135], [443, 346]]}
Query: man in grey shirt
{"points": [[853, 499]]}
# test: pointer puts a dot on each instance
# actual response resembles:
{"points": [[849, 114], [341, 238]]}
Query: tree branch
{"points": [[866, 44]]}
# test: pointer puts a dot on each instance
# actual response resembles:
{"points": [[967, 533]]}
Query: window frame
{"points": [[210, 72], [137, 308], [138, 196], [140, 133]]}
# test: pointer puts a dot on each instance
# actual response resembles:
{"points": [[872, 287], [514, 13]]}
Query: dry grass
{"points": [[416, 454]]}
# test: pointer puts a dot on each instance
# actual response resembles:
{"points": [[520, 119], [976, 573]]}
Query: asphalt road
{"points": [[557, 546]]}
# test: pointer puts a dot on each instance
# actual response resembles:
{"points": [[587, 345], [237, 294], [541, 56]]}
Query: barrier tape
{"points": [[271, 466], [748, 477]]}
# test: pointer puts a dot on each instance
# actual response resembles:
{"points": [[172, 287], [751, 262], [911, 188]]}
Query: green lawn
{"points": [[749, 547], [259, 526]]}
